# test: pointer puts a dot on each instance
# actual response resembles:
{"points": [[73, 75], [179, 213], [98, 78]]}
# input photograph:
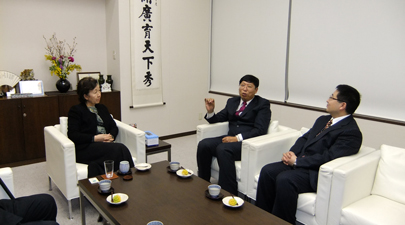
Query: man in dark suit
{"points": [[37, 209], [248, 116], [331, 137]]}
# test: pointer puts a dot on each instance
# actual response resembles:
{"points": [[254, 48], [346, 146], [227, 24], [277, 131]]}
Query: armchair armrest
{"points": [[211, 130], [262, 150], [61, 161], [134, 139], [6, 174], [283, 128], [352, 182]]}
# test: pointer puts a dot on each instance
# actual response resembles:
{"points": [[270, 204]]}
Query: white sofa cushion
{"points": [[373, 209], [238, 167], [389, 181], [307, 203]]}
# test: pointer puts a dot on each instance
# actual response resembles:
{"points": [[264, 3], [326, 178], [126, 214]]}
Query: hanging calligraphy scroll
{"points": [[146, 53]]}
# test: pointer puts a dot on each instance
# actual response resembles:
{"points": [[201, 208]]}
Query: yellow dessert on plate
{"points": [[116, 198], [184, 172], [232, 202]]}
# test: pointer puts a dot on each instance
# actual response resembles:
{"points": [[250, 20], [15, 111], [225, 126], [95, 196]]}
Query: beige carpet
{"points": [[32, 179]]}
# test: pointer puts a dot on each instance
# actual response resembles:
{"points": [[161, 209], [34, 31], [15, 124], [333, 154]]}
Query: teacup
{"points": [[174, 165], [124, 166], [105, 185], [155, 222], [214, 190]]}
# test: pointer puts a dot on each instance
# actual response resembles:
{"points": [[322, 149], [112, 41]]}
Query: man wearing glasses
{"points": [[331, 137], [248, 116]]}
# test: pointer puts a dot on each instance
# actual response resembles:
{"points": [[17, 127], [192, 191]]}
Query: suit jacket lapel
{"points": [[235, 105], [340, 124]]}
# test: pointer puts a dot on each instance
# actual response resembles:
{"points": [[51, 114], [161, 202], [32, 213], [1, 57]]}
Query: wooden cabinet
{"points": [[22, 127], [110, 99], [22, 123]]}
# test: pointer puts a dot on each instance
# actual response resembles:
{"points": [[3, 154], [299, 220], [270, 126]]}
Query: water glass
{"points": [[109, 168]]}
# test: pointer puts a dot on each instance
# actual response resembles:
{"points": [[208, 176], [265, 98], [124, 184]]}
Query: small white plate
{"points": [[143, 166], [238, 200], [190, 172], [124, 198]]}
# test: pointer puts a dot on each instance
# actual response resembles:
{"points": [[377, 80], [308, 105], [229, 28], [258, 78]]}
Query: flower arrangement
{"points": [[62, 61]]}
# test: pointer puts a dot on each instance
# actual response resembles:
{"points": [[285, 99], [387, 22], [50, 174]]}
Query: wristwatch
{"points": [[295, 164]]}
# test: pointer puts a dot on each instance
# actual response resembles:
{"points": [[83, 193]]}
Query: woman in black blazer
{"points": [[93, 130]]}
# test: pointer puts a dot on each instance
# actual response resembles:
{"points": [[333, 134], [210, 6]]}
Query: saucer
{"points": [[127, 173], [105, 193], [207, 194], [127, 177], [124, 198], [143, 166], [238, 200], [170, 170], [190, 172]]}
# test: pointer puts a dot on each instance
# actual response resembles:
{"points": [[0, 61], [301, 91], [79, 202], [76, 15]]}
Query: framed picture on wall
{"points": [[82, 75]]}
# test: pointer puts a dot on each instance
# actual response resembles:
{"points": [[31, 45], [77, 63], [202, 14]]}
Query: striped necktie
{"points": [[241, 109], [326, 127]]}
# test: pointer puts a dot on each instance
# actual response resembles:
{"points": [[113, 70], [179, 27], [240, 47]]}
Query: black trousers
{"points": [[227, 154], [96, 153], [278, 189], [34, 209]]}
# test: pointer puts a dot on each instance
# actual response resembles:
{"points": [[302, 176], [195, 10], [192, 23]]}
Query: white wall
{"points": [[23, 23]]}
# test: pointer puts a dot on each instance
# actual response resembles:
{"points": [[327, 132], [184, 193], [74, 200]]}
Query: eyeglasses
{"points": [[248, 86], [332, 98]]}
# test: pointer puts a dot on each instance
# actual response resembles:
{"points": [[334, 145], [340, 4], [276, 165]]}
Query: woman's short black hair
{"points": [[84, 86]]}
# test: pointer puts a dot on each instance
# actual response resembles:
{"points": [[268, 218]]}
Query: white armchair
{"points": [[312, 208], [61, 163], [6, 174], [370, 190], [218, 129]]}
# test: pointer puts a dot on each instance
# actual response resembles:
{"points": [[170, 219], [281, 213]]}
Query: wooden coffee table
{"points": [[158, 194]]}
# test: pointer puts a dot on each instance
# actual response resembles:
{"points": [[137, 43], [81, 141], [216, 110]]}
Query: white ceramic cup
{"points": [[174, 165], [155, 222], [105, 185], [214, 190], [124, 166], [109, 168]]}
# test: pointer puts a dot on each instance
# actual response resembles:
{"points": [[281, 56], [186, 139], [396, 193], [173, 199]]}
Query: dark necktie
{"points": [[326, 127], [241, 109]]}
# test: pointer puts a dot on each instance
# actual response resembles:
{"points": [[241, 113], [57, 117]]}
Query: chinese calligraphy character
{"points": [[146, 13], [147, 47], [148, 79], [149, 60], [147, 28], [147, 1]]}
